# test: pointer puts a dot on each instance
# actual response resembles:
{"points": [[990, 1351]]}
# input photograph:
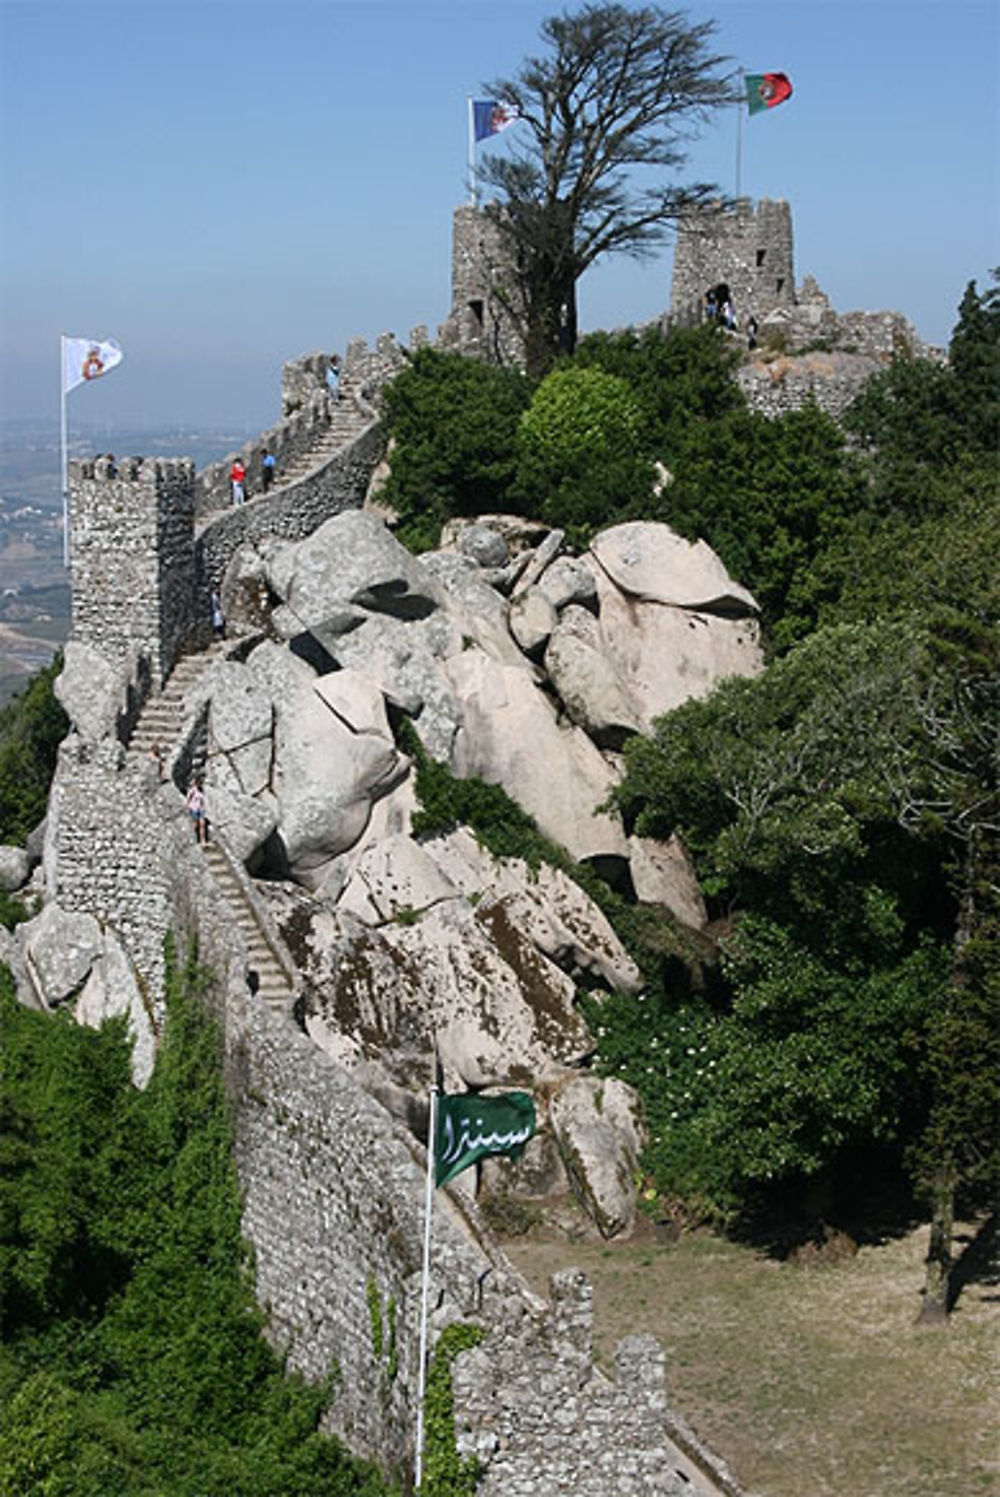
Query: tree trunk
{"points": [[937, 1283]]}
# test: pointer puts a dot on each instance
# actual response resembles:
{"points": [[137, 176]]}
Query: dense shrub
{"points": [[133, 1359], [453, 423]]}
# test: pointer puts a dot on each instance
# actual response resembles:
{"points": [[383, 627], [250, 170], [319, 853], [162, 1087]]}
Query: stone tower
{"points": [[132, 563], [483, 293], [749, 249]]}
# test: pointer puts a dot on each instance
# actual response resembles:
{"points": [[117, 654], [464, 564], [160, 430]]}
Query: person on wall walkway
{"points": [[238, 481], [266, 469], [194, 804]]}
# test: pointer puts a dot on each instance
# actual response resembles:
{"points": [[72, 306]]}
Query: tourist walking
{"points": [[333, 377], [194, 804], [266, 470], [218, 617], [238, 481]]}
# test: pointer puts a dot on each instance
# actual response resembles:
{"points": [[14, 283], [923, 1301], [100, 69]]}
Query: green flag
{"points": [[766, 90], [470, 1127]]}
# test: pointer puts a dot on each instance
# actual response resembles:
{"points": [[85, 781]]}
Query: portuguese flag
{"points": [[470, 1127], [765, 90]]}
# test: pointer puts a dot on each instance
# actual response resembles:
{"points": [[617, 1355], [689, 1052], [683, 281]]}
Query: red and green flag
{"points": [[469, 1127], [765, 90]]}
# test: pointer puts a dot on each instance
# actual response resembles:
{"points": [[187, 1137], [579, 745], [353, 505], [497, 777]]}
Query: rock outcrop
{"points": [[518, 665]]}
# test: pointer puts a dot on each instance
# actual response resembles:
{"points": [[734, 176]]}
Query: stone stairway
{"points": [[161, 722], [270, 982], [346, 423], [162, 716]]}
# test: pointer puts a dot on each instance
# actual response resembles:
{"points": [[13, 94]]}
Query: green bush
{"points": [[580, 461]]}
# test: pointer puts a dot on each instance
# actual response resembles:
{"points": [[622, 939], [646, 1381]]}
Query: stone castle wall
{"points": [[333, 1207], [292, 512]]}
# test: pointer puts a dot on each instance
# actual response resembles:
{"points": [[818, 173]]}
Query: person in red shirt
{"points": [[238, 481]]}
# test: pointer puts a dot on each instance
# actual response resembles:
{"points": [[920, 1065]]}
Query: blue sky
{"points": [[224, 185]]}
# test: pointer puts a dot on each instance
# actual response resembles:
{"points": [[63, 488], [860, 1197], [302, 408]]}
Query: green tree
{"points": [[974, 359], [608, 111], [133, 1359], [32, 727], [820, 802], [453, 424]]}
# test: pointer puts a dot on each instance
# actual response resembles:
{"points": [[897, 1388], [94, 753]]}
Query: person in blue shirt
{"points": [[333, 377], [266, 469]]}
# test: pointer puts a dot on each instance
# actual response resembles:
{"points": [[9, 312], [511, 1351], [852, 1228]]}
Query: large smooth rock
{"points": [[394, 877], [113, 989], [532, 620], [356, 699], [494, 1007], [483, 545], [568, 580], [510, 736], [662, 874], [407, 661], [91, 690], [15, 868], [477, 612], [597, 1125], [587, 680], [648, 560], [557, 916], [325, 779], [243, 822], [60, 947], [666, 655], [354, 559], [240, 710]]}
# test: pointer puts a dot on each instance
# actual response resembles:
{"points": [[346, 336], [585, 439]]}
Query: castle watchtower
{"points": [[132, 566], [483, 292], [749, 249]]}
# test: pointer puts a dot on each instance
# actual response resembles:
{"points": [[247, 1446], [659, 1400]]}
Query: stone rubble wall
{"points": [[540, 1417], [104, 835], [480, 324]]}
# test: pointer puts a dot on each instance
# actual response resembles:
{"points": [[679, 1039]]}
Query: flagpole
{"points": [[418, 1465], [739, 133], [471, 112], [64, 461]]}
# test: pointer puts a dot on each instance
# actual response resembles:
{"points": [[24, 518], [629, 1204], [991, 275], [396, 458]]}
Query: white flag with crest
{"points": [[84, 359]]}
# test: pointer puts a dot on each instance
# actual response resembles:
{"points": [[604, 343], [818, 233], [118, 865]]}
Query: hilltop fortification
{"points": [[332, 1179]]}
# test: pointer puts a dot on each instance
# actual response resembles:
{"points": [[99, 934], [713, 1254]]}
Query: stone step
{"points": [[273, 986]]}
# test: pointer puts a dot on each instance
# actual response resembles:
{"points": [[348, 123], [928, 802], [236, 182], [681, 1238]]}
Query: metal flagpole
{"points": [[64, 464], [739, 133], [472, 150], [418, 1465]]}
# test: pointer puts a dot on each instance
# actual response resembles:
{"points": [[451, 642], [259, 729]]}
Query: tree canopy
{"points": [[608, 110]]}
